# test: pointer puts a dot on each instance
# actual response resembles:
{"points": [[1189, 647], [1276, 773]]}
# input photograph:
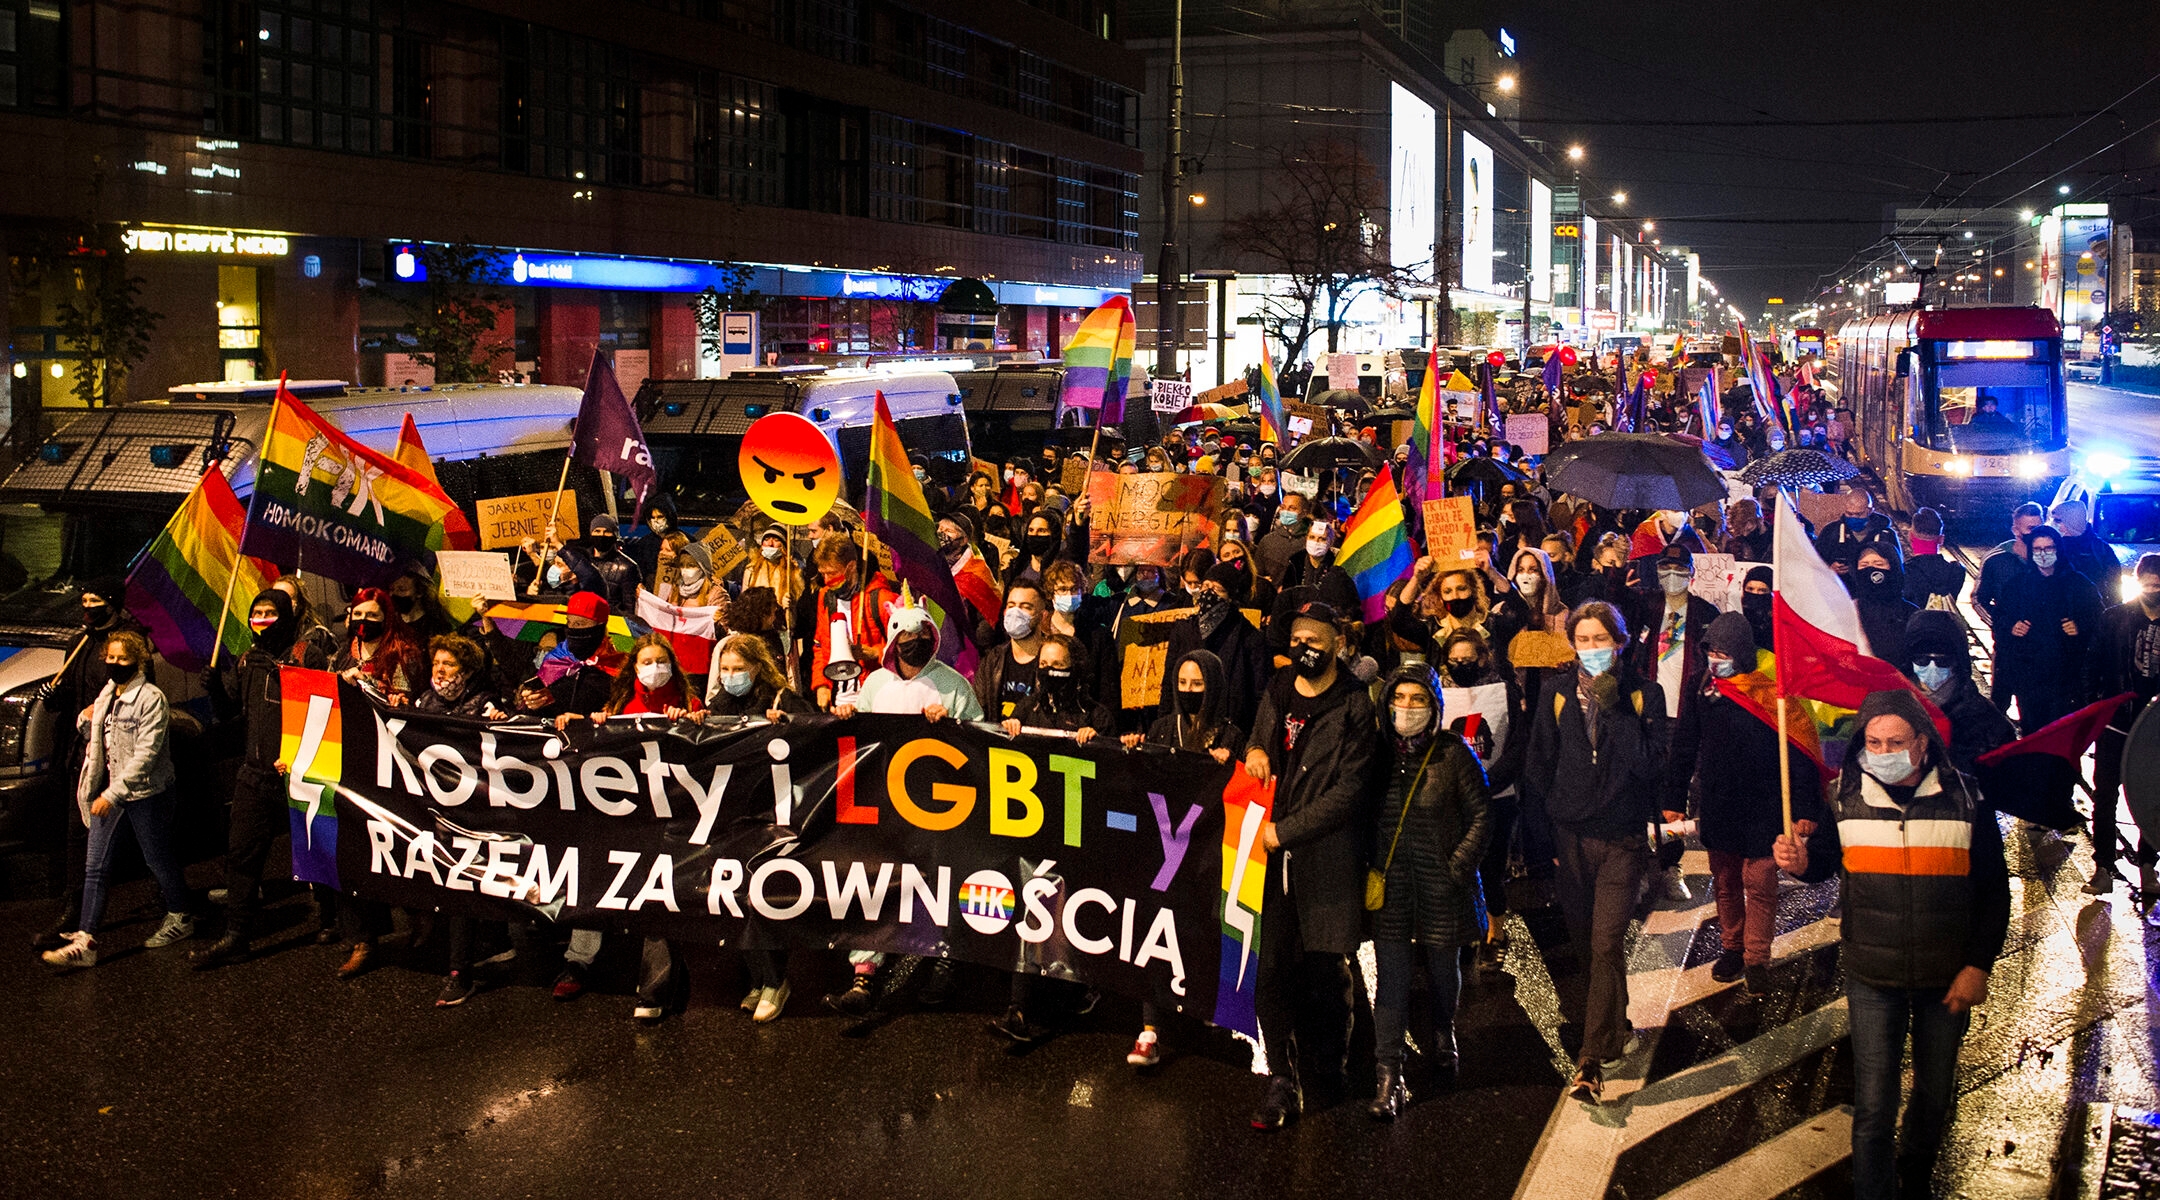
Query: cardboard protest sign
{"points": [[1530, 431], [1222, 395], [1072, 475], [1170, 396], [469, 573], [1537, 648], [509, 520], [1450, 530], [1140, 680], [1151, 518], [728, 552]]}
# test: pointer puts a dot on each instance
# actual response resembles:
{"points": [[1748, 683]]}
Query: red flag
{"points": [[2067, 738]]}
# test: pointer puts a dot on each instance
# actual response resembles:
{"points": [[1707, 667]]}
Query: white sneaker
{"points": [[648, 1013], [80, 951], [1146, 1052], [769, 1004], [178, 927]]}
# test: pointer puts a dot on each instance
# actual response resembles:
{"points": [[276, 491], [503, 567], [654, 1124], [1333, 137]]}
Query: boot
{"points": [[1285, 1100], [1390, 1094], [227, 950]]}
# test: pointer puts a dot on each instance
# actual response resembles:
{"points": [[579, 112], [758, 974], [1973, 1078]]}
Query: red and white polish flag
{"points": [[692, 631]]}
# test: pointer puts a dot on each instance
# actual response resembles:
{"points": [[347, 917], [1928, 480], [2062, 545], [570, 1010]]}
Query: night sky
{"points": [[1777, 207]]}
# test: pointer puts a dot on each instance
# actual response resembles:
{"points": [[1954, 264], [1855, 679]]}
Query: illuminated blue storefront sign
{"points": [[542, 269]]}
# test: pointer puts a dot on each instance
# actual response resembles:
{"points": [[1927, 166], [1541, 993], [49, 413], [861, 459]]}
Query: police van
{"points": [[91, 497]]}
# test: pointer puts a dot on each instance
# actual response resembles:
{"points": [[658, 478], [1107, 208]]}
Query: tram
{"points": [[1958, 409]]}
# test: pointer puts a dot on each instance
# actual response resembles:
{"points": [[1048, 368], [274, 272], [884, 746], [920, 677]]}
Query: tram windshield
{"points": [[1991, 406]]}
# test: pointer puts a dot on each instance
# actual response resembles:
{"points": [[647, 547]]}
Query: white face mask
{"points": [[689, 579], [1410, 722], [1529, 581], [654, 675], [1316, 547], [771, 553]]}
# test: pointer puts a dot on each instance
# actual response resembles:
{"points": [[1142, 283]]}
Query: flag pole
{"points": [[217, 639], [1784, 762], [547, 536]]}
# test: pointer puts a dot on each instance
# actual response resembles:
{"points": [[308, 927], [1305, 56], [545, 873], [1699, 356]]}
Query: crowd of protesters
{"points": [[1413, 749]]}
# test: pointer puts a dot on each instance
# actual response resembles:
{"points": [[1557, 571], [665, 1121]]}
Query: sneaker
{"points": [[356, 963], [571, 983], [456, 990], [1088, 1000], [770, 1002], [227, 950], [1730, 965], [1676, 888], [1491, 958], [855, 1001], [749, 1002], [1588, 1085], [79, 950], [937, 983], [1015, 1025], [1285, 1100], [1758, 980], [1145, 1052], [1628, 1047], [648, 1012], [178, 927]]}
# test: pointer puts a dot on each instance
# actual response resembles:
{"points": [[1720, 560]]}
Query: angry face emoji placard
{"points": [[789, 469]]}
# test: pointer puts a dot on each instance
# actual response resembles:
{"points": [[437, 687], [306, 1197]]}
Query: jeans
{"points": [[152, 819], [1391, 998], [1747, 896], [1598, 882], [1881, 1018]]}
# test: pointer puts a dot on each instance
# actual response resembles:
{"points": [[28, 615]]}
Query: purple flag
{"points": [[608, 436], [1552, 371]]}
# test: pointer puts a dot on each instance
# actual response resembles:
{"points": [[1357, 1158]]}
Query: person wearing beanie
{"points": [[1938, 654], [1725, 747], [1221, 630], [1878, 590], [1932, 580], [1927, 906], [1756, 605], [602, 567]]}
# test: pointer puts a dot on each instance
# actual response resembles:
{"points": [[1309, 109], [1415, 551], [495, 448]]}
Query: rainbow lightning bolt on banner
{"points": [[1376, 546], [1098, 361], [1271, 409], [1247, 805], [311, 742], [183, 587]]}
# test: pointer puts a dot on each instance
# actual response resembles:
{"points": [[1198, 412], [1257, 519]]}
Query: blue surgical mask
{"points": [[1931, 676], [1066, 602], [1887, 768], [737, 683], [555, 576], [1018, 623], [1597, 662], [1724, 668]]}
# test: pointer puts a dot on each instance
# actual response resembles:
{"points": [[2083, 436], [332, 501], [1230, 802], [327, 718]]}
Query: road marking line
{"points": [[1676, 1097], [1778, 1165]]}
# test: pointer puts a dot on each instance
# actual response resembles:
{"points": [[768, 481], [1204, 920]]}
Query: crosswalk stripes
{"points": [[1778, 1165]]}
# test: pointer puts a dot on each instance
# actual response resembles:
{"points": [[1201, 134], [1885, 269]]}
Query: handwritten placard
{"points": [[727, 550], [1072, 476], [1222, 395], [1531, 432], [1170, 396], [1342, 372], [1451, 530], [1151, 518], [469, 573], [509, 520], [1140, 680]]}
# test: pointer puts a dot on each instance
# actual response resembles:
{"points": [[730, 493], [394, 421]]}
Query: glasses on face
{"points": [[1933, 660]]}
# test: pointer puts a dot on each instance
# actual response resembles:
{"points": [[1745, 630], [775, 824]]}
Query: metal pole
{"points": [[1222, 330], [1169, 284], [1445, 326]]}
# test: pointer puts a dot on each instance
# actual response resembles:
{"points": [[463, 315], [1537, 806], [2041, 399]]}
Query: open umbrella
{"points": [[1208, 412], [1242, 429], [1381, 416], [1487, 471], [1328, 453], [1635, 470], [1344, 399], [1799, 467]]}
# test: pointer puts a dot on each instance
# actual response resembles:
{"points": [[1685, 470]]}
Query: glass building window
{"points": [[315, 73]]}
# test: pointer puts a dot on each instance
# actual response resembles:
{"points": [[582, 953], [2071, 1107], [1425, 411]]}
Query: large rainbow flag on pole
{"points": [[898, 513], [1375, 549], [1424, 439], [458, 531], [1271, 409], [1098, 362], [329, 504], [183, 588]]}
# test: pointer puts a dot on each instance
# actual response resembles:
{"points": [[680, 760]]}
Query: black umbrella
{"points": [[1242, 429], [1635, 470], [1081, 435], [1328, 453], [1381, 416], [1487, 471], [1799, 467], [1346, 399]]}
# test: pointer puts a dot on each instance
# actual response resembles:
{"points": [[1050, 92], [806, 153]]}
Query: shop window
{"points": [[239, 323]]}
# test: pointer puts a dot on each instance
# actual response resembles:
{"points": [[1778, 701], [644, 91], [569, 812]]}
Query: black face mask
{"points": [[365, 630], [94, 615], [602, 543], [1460, 607], [585, 642], [404, 604], [1874, 579], [1756, 607], [1310, 661], [915, 652], [1190, 703], [1464, 674], [1038, 545], [120, 673]]}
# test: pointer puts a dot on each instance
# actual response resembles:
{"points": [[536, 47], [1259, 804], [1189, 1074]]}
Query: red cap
{"points": [[588, 605]]}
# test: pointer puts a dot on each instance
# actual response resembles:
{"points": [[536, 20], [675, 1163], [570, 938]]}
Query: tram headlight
{"points": [[2032, 466], [1956, 466]]}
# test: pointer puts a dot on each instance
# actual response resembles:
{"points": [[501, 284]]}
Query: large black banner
{"points": [[1096, 863]]}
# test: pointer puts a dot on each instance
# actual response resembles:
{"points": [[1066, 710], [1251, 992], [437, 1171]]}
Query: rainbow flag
{"points": [[897, 512], [1271, 410], [1098, 361], [180, 586], [328, 504], [1706, 399], [1375, 550], [1247, 806], [530, 623], [311, 741], [458, 531]]}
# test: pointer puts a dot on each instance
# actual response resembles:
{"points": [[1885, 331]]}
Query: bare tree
{"points": [[1321, 236]]}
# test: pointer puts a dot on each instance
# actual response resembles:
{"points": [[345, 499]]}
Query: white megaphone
{"points": [[840, 666]]}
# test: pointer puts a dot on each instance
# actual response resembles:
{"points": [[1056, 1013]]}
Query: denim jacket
{"points": [[125, 753]]}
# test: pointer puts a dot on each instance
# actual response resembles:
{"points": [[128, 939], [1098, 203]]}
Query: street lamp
{"points": [[1575, 153], [1619, 197], [1505, 83]]}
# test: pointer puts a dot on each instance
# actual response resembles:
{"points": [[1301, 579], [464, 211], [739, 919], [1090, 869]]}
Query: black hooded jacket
{"points": [[1213, 727], [1976, 725], [246, 693]]}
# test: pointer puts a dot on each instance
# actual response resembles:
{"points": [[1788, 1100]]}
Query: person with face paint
{"points": [[1938, 655], [248, 693], [1932, 579], [1594, 768], [600, 566], [1921, 931], [2050, 613], [1313, 731], [126, 778], [1727, 757], [1433, 822], [1007, 675], [1878, 589]]}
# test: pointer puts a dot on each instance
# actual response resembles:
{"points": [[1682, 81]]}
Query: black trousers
{"points": [[1295, 986], [252, 826], [465, 934], [1493, 872]]}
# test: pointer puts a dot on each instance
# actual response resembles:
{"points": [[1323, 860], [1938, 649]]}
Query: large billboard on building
{"points": [[1477, 228], [1412, 182], [2050, 297], [1541, 272], [2086, 254]]}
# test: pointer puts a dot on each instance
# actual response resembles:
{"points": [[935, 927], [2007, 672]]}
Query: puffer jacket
{"points": [[125, 753], [1433, 894], [1925, 890]]}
